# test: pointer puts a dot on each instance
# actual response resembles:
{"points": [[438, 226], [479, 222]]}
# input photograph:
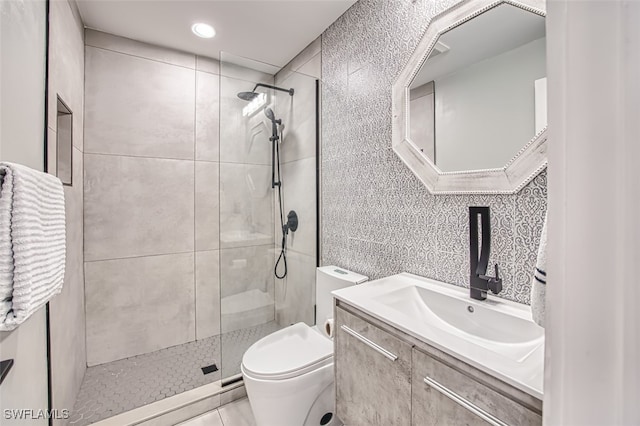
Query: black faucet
{"points": [[479, 282]]}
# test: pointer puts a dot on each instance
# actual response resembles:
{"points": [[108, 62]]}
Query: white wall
{"points": [[495, 101], [592, 368], [22, 78]]}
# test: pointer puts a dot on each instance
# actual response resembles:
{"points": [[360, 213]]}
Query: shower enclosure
{"points": [[267, 157], [182, 221]]}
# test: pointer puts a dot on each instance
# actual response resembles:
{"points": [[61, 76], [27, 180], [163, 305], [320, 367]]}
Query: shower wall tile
{"points": [[312, 68], [66, 72], [306, 62], [247, 289], [298, 114], [299, 188], [246, 268], [136, 48], [137, 206], [67, 310], [207, 294], [246, 200], [248, 75], [242, 139], [207, 116], [295, 296], [138, 305], [209, 65], [207, 209], [377, 218], [68, 355], [138, 107]]}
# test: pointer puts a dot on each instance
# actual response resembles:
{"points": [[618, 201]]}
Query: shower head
{"points": [[248, 96], [269, 113]]}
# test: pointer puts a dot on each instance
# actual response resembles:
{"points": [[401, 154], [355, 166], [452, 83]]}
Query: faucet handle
{"points": [[494, 283]]}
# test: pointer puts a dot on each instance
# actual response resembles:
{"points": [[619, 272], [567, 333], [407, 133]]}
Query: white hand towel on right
{"points": [[539, 282], [32, 242]]}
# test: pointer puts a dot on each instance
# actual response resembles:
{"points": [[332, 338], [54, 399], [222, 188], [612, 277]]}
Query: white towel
{"points": [[32, 242], [539, 282]]}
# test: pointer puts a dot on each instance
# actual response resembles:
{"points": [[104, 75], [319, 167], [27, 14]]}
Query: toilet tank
{"points": [[328, 279]]}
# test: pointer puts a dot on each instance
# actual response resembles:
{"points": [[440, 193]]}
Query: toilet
{"points": [[288, 374]]}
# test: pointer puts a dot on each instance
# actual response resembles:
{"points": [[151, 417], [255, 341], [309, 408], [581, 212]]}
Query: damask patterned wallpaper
{"points": [[377, 218]]}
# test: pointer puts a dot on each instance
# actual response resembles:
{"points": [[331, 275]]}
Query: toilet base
{"points": [[298, 401]]}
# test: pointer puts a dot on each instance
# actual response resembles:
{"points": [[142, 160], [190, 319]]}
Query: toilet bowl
{"points": [[288, 374]]}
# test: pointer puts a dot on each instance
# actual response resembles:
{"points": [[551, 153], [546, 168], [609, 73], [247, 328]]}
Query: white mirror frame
{"points": [[520, 170]]}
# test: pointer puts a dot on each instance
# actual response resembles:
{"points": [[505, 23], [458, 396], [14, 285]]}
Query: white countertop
{"points": [[521, 364]]}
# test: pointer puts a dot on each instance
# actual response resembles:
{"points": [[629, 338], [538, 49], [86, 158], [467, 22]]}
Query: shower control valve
{"points": [[292, 222]]}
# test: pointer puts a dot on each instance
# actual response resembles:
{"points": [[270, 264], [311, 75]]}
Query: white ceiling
{"points": [[270, 31], [496, 31]]}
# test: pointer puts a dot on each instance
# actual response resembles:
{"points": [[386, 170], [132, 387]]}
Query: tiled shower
{"points": [[181, 223]]}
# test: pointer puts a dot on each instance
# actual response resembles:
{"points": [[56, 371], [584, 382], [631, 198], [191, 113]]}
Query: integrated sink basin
{"points": [[493, 329], [495, 335]]}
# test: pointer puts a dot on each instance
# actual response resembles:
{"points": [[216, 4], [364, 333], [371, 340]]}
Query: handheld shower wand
{"points": [[292, 217]]}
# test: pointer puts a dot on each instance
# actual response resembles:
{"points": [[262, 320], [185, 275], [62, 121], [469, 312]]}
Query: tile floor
{"points": [[119, 386], [237, 413]]}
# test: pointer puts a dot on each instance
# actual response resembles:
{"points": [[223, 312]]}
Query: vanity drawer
{"points": [[442, 395], [373, 373]]}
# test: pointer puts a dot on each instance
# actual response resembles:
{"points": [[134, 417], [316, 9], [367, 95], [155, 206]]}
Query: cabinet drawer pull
{"points": [[465, 403], [369, 343]]}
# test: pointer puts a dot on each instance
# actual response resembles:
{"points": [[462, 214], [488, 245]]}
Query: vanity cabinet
{"points": [[386, 377], [442, 395], [373, 373]]}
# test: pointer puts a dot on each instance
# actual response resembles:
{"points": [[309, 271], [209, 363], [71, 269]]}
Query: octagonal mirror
{"points": [[470, 106]]}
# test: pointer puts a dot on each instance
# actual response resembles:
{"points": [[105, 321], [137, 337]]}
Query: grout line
{"points": [[195, 203], [138, 156], [180, 159], [139, 256], [144, 57]]}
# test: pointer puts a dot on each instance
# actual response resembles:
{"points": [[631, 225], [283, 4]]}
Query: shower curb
{"points": [[179, 408]]}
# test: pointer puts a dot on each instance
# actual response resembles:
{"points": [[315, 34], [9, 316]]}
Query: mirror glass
{"points": [[480, 96]]}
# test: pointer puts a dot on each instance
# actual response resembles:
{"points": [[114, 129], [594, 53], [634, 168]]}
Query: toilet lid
{"points": [[286, 353]]}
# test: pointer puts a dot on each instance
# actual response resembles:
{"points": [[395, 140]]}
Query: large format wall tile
{"points": [[246, 209], [66, 72], [295, 296], [207, 116], [242, 139], [247, 287], [377, 218], [207, 294], [246, 268], [138, 305], [299, 185], [137, 206], [67, 323], [298, 113], [136, 48], [67, 310], [207, 206], [137, 106]]}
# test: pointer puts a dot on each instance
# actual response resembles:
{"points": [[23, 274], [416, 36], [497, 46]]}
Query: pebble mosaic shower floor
{"points": [[119, 386]]}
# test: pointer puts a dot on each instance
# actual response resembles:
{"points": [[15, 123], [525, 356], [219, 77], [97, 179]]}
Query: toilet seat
{"points": [[290, 352]]}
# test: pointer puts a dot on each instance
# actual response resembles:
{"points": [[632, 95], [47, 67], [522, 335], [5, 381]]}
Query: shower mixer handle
{"points": [[292, 222]]}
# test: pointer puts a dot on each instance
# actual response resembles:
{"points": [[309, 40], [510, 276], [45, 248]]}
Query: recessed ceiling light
{"points": [[203, 30]]}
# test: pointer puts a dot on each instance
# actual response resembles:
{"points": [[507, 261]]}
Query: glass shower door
{"points": [[253, 302], [247, 307]]}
